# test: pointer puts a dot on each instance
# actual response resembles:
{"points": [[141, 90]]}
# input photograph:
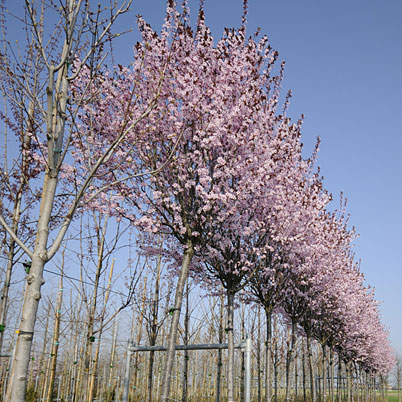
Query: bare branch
{"points": [[124, 7], [56, 244], [38, 37], [15, 237]]}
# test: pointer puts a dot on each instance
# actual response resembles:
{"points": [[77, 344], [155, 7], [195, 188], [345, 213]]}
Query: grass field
{"points": [[392, 396]]}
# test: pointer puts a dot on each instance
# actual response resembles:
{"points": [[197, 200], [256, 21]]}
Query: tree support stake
{"points": [[244, 346]]}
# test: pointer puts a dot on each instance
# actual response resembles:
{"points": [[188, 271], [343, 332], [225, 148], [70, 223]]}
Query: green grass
{"points": [[392, 396]]}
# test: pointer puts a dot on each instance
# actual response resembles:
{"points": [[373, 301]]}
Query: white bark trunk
{"points": [[56, 103], [18, 378], [17, 386]]}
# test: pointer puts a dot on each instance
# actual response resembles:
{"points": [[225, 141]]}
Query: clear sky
{"points": [[344, 66]]}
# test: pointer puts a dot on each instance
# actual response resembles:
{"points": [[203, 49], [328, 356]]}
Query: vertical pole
{"points": [[127, 371], [247, 377]]}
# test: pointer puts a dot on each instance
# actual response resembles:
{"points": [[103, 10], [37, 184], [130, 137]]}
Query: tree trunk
{"points": [[55, 343], [150, 374], [242, 368], [168, 367], [94, 368], [276, 363], [91, 388], [259, 354], [211, 385], [79, 382], [324, 373], [219, 363], [42, 360], [332, 375], [229, 329], [17, 386], [186, 354], [339, 381], [295, 369], [311, 369], [268, 356], [348, 383], [154, 324], [112, 356], [23, 180], [289, 359], [6, 288], [139, 333], [304, 370], [90, 364], [364, 378], [383, 384], [18, 377]]}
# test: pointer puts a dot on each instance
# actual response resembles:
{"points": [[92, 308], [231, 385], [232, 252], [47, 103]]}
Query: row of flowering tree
{"points": [[228, 185], [190, 142]]}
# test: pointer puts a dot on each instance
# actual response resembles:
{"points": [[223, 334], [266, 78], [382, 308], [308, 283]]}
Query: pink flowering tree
{"points": [[329, 300], [311, 293], [292, 200], [203, 139], [363, 340]]}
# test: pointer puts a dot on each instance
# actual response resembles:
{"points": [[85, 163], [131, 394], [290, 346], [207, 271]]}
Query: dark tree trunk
{"points": [[168, 367], [268, 356], [311, 369], [229, 329], [219, 363]]}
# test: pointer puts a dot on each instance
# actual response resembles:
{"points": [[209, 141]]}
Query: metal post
{"points": [[127, 371], [245, 347], [207, 346], [247, 376]]}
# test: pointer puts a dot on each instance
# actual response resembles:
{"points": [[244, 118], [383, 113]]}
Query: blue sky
{"points": [[344, 66]]}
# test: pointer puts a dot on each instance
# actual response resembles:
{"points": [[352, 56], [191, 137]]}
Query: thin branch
{"points": [[38, 38], [15, 237], [124, 7], [103, 159], [151, 172], [69, 37]]}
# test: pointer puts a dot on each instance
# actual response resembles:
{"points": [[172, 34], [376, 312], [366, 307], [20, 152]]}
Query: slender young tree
{"points": [[48, 116], [18, 172]]}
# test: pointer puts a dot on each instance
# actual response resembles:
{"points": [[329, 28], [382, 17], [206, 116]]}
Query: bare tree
{"points": [[42, 85]]}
